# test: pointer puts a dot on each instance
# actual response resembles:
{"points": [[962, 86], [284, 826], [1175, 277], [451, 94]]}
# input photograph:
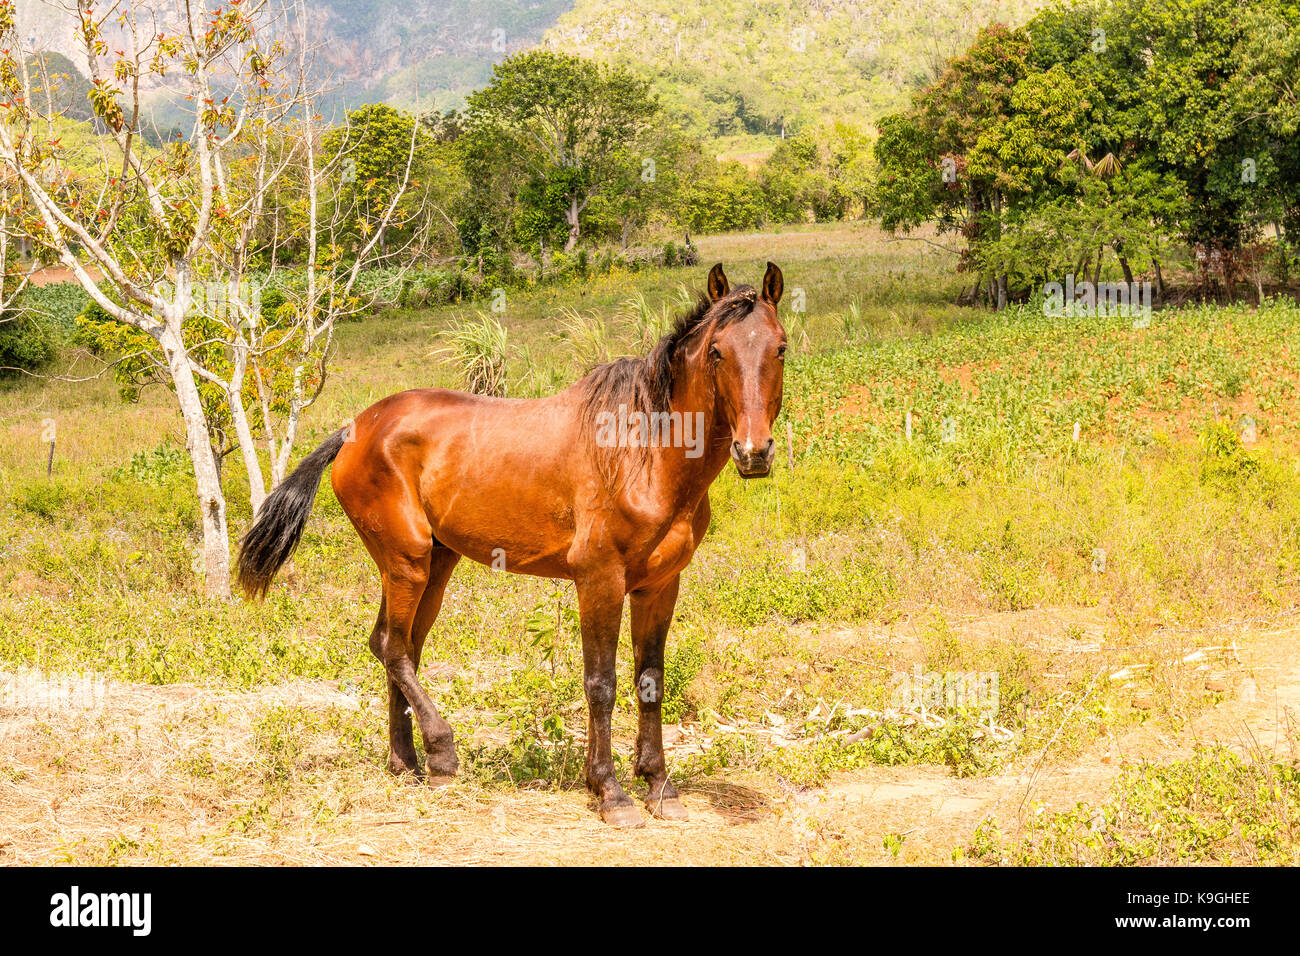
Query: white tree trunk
{"points": [[248, 449], [572, 217], [212, 503], [239, 417]]}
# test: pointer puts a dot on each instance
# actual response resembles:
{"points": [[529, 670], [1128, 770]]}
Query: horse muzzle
{"points": [[753, 461]]}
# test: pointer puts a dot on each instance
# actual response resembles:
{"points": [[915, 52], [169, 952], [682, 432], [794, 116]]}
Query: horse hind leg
{"points": [[441, 564], [402, 757], [409, 569]]}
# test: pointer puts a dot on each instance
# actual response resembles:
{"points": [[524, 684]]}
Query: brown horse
{"points": [[605, 484]]}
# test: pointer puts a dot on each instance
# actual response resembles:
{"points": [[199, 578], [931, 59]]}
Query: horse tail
{"points": [[278, 528]]}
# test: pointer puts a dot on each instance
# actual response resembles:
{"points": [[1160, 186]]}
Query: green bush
{"points": [[26, 342]]}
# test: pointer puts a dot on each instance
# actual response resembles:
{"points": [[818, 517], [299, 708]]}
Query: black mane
{"points": [[646, 383]]}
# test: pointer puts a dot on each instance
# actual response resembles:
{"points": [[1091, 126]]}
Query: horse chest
{"points": [[673, 552]]}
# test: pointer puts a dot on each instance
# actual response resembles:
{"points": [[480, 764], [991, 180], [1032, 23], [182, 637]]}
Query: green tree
{"points": [[925, 155], [572, 127], [373, 147]]}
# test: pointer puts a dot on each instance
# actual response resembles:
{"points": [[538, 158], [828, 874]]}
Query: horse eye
{"points": [[714, 353], [780, 351]]}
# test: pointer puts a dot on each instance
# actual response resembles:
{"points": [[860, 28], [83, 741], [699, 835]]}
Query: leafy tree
{"points": [[1121, 123], [925, 155], [373, 146], [571, 126], [823, 173], [720, 197]]}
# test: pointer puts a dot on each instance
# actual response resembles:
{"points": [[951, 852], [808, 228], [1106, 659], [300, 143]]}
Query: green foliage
{"points": [[478, 351], [157, 467], [1225, 458], [42, 498], [139, 363], [1213, 807], [725, 201], [58, 304], [1103, 128], [729, 66], [372, 151], [545, 137], [682, 664], [822, 174], [26, 342], [960, 743]]}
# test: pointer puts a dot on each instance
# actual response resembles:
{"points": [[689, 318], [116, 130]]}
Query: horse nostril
{"points": [[736, 449], [767, 449]]}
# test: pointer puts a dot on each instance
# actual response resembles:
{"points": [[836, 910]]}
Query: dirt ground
{"points": [[52, 274], [121, 786]]}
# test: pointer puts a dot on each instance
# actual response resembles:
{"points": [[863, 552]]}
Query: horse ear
{"points": [[718, 284], [773, 284]]}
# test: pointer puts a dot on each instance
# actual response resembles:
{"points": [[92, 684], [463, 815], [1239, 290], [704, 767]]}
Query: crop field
{"points": [[1099, 521]]}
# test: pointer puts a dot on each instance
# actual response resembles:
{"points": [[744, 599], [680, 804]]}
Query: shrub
{"points": [[26, 342], [478, 350]]}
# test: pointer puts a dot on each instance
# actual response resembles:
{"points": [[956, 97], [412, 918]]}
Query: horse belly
{"points": [[502, 525]]}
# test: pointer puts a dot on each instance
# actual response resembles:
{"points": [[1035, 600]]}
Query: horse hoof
{"points": [[442, 768], [667, 808], [399, 769], [440, 779], [625, 816]]}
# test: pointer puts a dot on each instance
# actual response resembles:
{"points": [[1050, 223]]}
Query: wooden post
{"points": [[49, 434], [789, 443]]}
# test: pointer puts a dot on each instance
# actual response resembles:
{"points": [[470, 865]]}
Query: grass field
{"points": [[1133, 588]]}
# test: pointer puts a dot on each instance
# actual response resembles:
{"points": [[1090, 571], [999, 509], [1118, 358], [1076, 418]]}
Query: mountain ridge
{"points": [[723, 67]]}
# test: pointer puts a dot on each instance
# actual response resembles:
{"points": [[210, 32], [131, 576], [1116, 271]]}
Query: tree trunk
{"points": [[1123, 264], [571, 216], [243, 432], [1160, 280], [1002, 291], [212, 503], [280, 467], [248, 450]]}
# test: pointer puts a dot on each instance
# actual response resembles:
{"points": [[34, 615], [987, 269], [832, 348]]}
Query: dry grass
{"points": [[292, 774]]}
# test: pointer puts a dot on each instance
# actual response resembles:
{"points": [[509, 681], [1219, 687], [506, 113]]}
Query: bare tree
{"points": [[176, 238]]}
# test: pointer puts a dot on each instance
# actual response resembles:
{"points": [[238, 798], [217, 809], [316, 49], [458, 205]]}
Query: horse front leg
{"points": [[600, 612], [652, 613]]}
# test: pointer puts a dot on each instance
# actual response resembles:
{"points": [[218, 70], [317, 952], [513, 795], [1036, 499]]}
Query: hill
{"points": [[727, 67], [430, 53], [737, 66]]}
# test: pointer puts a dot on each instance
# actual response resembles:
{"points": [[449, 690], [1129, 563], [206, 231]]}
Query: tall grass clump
{"points": [[478, 351]]}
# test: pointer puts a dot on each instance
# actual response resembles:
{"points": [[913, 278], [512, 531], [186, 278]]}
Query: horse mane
{"points": [[645, 383]]}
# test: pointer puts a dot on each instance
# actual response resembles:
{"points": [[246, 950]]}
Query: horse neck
{"points": [[686, 479]]}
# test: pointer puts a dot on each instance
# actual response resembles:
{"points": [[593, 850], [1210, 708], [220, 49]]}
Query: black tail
{"points": [[278, 529]]}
